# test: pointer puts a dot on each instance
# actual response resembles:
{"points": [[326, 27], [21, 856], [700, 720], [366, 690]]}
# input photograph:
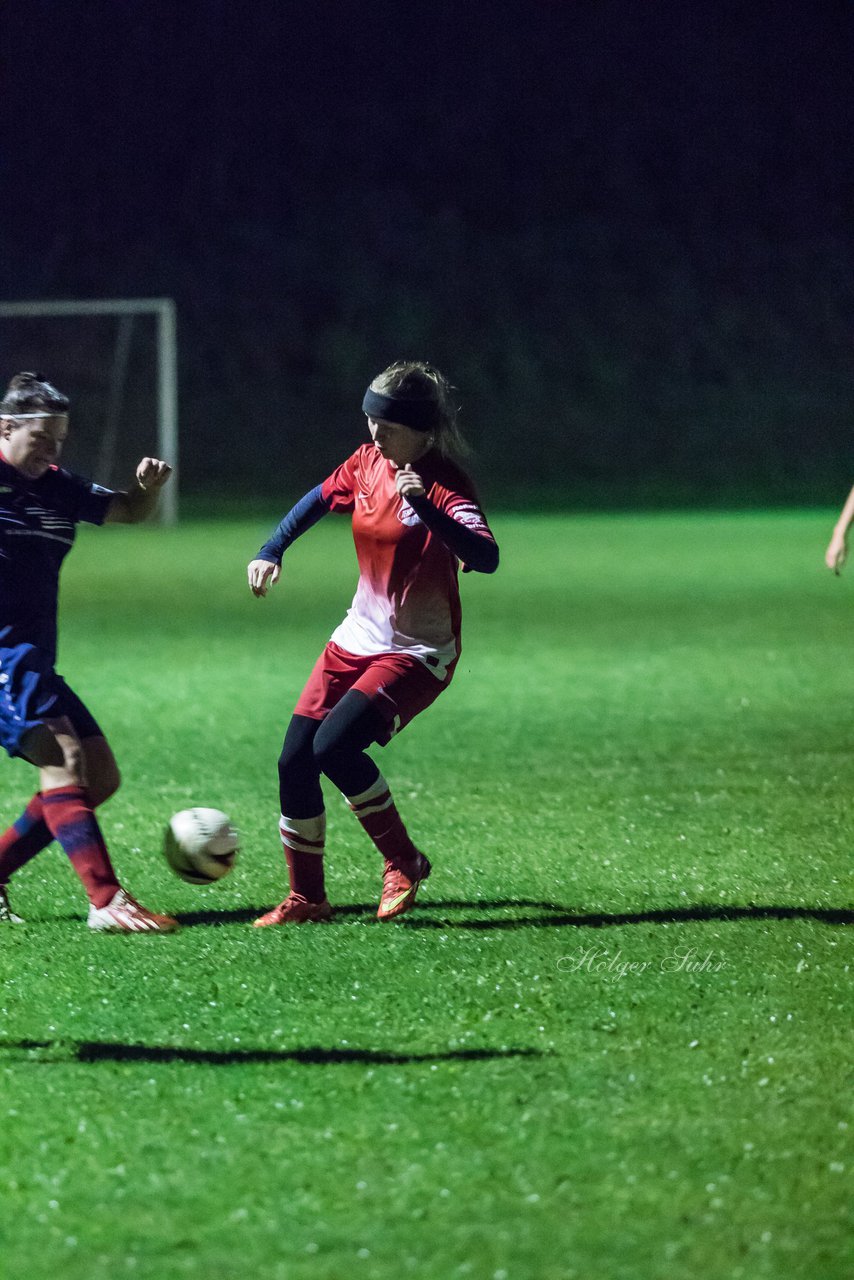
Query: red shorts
{"points": [[398, 685]]}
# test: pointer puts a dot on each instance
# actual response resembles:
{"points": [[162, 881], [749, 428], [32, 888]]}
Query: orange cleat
{"points": [[296, 910], [123, 914], [400, 887]]}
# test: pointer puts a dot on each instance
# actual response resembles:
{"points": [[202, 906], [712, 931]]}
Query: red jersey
{"points": [[408, 599]]}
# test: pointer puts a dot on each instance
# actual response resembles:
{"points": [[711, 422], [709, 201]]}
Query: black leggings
{"points": [[334, 746]]}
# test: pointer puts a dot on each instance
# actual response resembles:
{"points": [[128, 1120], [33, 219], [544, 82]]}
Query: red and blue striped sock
{"points": [[24, 839], [71, 820]]}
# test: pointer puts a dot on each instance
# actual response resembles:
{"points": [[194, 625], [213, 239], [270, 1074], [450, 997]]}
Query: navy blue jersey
{"points": [[38, 520]]}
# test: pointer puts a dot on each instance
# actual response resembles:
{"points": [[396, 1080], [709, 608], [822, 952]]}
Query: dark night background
{"points": [[625, 229]]}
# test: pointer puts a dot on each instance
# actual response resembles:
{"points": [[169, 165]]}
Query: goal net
{"points": [[116, 361]]}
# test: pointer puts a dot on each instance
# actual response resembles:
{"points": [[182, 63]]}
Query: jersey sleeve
{"points": [[452, 511], [458, 500], [83, 499], [339, 490]]}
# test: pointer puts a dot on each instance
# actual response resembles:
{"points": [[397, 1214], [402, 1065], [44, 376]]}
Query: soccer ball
{"points": [[201, 845]]}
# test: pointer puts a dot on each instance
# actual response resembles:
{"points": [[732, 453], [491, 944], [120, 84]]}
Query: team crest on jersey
{"points": [[407, 516]]}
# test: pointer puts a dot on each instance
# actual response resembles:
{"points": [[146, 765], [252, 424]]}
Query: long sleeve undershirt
{"points": [[475, 550], [310, 508]]}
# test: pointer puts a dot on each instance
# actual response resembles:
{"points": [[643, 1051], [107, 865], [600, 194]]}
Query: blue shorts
{"points": [[32, 692]]}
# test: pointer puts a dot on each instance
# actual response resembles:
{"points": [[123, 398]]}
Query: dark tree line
{"points": [[625, 231]]}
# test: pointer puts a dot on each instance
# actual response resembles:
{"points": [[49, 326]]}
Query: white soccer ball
{"points": [[201, 845]]}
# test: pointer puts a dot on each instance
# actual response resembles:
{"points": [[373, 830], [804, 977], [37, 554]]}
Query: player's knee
{"points": [[104, 785], [102, 772], [295, 761], [326, 748], [73, 761], [299, 781], [336, 756], [296, 754]]}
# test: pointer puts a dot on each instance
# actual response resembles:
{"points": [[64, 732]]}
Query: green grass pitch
{"points": [[612, 1041]]}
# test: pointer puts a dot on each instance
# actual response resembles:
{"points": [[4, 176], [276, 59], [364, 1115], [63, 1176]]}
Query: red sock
{"points": [[302, 841], [24, 839], [378, 814], [71, 820]]}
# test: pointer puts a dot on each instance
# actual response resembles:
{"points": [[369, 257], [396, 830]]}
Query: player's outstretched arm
{"points": [[265, 569], [141, 497], [837, 550]]}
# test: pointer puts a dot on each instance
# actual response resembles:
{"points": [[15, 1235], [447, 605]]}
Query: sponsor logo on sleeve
{"points": [[469, 515]]}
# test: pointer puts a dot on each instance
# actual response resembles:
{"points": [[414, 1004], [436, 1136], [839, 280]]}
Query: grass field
{"points": [[612, 1041]]}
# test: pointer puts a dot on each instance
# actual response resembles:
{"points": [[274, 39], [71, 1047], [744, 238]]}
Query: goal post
{"points": [[163, 309]]}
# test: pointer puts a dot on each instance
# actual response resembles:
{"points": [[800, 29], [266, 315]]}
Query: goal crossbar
{"points": [[167, 366]]}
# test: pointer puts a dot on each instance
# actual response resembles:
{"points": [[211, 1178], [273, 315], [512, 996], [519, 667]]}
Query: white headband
{"points": [[57, 413]]}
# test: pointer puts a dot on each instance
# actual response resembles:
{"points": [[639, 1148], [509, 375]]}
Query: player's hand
{"points": [[151, 473], [837, 552], [263, 574], [408, 483]]}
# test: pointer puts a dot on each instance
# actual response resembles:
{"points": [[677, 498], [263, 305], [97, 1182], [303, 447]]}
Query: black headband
{"points": [[421, 415]]}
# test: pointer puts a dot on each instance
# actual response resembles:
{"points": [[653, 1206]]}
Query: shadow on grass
{"points": [[555, 917], [314, 1055], [550, 915]]}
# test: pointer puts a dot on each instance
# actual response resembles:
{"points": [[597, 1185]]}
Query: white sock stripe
{"points": [[362, 810], [377, 789], [290, 838], [299, 846], [312, 830]]}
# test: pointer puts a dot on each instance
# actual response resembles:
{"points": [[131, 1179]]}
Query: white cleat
{"points": [[124, 915], [7, 915]]}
